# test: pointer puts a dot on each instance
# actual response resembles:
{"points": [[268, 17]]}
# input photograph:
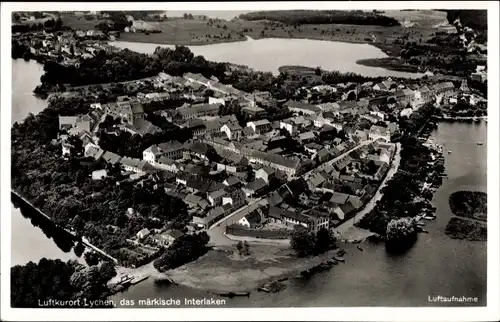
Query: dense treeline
{"points": [[64, 189], [124, 65], [293, 17], [46, 280], [103, 68], [33, 285], [49, 25], [306, 243], [184, 249], [19, 50], [127, 65], [475, 19]]}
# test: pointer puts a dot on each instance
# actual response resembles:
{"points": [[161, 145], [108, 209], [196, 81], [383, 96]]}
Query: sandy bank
{"points": [[222, 270]]}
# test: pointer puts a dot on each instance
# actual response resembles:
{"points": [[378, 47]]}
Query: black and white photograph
{"points": [[199, 157]]}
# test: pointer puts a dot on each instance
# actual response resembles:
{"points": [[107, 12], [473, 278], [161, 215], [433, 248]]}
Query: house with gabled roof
{"points": [[254, 187], [315, 181], [215, 198], [252, 220], [260, 126], [304, 108], [111, 158]]}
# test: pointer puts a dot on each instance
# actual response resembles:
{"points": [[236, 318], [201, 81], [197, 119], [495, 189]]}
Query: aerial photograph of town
{"points": [[244, 159]]}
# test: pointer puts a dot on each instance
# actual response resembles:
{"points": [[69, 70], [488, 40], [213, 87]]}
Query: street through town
{"points": [[218, 229]]}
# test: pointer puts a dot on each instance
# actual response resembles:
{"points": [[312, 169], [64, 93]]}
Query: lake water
{"points": [[29, 243], [270, 53], [436, 265]]}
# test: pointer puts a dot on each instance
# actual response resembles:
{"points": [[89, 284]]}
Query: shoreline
{"points": [[387, 49], [226, 278], [390, 63], [461, 118], [179, 42]]}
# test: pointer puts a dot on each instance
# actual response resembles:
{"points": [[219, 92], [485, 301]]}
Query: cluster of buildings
{"points": [[313, 168], [66, 46]]}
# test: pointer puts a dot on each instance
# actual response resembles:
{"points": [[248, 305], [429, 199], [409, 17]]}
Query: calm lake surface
{"points": [[270, 53], [29, 243], [436, 265]]}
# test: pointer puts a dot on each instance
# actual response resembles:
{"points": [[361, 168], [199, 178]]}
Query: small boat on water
{"points": [[359, 247], [139, 279], [339, 259], [233, 294], [449, 151], [477, 119], [479, 143], [264, 289], [429, 217]]}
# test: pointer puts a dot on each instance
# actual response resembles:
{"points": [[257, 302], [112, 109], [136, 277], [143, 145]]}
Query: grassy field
{"points": [[223, 270], [420, 18], [179, 31], [79, 22]]}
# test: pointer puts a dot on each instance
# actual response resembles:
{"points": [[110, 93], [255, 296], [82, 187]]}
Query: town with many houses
{"points": [[328, 179], [320, 185]]}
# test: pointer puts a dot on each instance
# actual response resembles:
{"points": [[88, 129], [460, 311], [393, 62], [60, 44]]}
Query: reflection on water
{"points": [[62, 239]]}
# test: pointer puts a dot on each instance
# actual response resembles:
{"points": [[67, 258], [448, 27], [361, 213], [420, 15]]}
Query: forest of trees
{"points": [[107, 67], [475, 19], [64, 189], [34, 283], [294, 17]]}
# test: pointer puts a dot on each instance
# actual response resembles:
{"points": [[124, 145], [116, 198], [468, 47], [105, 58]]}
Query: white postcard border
{"points": [[491, 312]]}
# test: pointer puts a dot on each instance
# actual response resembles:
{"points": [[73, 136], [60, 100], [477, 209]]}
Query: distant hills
{"points": [[294, 17]]}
